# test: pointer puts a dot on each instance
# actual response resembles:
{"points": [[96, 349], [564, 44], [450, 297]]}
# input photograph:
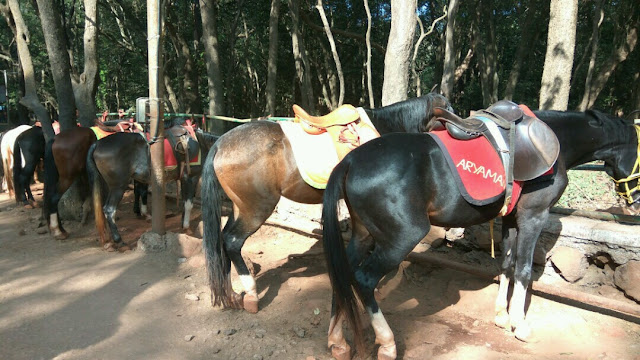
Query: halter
{"points": [[635, 175]]}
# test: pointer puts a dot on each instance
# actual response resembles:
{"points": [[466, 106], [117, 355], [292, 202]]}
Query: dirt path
{"points": [[72, 300]]}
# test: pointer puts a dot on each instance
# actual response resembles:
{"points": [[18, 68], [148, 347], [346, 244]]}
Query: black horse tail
{"points": [[18, 188], [214, 251], [340, 272], [95, 183], [51, 178]]}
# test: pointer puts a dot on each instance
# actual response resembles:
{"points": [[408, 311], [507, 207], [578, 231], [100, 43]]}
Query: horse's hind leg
{"points": [[509, 232], [386, 256], [188, 193], [235, 233], [111, 204]]}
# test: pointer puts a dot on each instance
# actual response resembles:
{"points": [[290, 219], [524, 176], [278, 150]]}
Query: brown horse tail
{"points": [[213, 244], [95, 182], [8, 174], [340, 272]]}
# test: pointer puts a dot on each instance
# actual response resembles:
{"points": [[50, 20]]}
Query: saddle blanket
{"points": [[476, 167], [170, 161], [315, 154]]}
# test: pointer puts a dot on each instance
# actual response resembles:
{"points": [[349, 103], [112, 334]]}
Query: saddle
{"points": [[527, 146], [113, 126], [345, 125], [184, 143]]}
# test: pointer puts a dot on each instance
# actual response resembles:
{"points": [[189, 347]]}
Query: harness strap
{"points": [[635, 175], [505, 155]]}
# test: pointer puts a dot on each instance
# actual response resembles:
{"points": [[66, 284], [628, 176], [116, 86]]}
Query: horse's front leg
{"points": [[529, 230], [140, 192]]}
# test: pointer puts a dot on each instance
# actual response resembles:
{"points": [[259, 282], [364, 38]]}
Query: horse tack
{"points": [[527, 146], [346, 125], [183, 142]]}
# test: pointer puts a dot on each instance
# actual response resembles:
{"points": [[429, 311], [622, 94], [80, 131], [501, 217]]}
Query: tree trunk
{"points": [[368, 42], [86, 84], [30, 99], [334, 51], [211, 50], [398, 56], [528, 36], [272, 65], [561, 40], [618, 55], [189, 89], [54, 38], [449, 66], [302, 65]]}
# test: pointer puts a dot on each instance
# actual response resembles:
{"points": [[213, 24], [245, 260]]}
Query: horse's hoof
{"points": [[62, 236], [502, 319], [387, 352], [523, 333], [110, 247], [341, 353], [187, 231], [250, 303]]}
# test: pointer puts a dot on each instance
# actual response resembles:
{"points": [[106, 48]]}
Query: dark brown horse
{"points": [[254, 165], [65, 160], [397, 186]]}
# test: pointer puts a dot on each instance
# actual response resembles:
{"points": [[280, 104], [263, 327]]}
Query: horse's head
{"points": [[624, 169]]}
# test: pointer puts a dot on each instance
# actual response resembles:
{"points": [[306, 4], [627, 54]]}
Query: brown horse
{"points": [[65, 160], [254, 165]]}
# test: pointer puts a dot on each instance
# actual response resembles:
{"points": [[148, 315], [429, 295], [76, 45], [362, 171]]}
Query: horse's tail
{"points": [[340, 273], [95, 183], [215, 253], [51, 178], [17, 171]]}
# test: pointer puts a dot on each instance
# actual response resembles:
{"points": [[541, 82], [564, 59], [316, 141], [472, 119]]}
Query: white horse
{"points": [[6, 149]]}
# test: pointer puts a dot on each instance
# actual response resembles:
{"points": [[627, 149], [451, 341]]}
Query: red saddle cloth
{"points": [[476, 166], [170, 161]]}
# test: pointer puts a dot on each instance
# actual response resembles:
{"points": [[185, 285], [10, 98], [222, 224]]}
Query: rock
{"points": [[627, 278], [196, 261], [229, 332], [42, 231], [186, 246], [257, 357], [570, 263], [22, 232], [300, 332], [192, 297], [454, 234], [189, 337], [152, 242]]}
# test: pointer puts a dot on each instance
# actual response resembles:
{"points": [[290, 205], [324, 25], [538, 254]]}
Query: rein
{"points": [[635, 175]]}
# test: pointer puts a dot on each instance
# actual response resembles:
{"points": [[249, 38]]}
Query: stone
{"points": [[192, 297], [570, 263], [627, 278], [183, 245], [150, 242]]}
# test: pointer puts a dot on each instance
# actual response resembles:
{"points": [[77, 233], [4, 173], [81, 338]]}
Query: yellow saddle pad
{"points": [[316, 155]]}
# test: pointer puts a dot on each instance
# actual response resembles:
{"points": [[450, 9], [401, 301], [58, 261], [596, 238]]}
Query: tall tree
{"points": [[303, 70], [85, 84], [558, 61], [211, 50], [30, 100], [54, 38], [272, 65], [398, 56], [449, 66]]}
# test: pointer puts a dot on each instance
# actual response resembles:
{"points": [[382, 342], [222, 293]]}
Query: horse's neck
{"points": [[387, 121]]}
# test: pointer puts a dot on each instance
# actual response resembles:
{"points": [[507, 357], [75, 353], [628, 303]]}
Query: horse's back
{"points": [[121, 156]]}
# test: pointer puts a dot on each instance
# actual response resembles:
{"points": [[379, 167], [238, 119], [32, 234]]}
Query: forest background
{"points": [[247, 59]]}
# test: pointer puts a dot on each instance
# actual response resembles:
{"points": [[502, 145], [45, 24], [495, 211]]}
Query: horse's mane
{"points": [[409, 114]]}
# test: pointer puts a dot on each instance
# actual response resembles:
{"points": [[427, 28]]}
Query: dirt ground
{"points": [[72, 300]]}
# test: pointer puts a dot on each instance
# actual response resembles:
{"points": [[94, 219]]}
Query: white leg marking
{"points": [[53, 225], [188, 205], [249, 284], [516, 310], [143, 210], [503, 290], [384, 336]]}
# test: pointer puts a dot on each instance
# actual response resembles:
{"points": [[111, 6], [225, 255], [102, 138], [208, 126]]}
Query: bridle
{"points": [[623, 184]]}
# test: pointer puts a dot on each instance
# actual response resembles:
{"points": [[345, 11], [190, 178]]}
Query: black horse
{"points": [[29, 146], [116, 159], [255, 165], [399, 185]]}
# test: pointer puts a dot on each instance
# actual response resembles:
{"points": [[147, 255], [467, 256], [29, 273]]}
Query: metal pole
{"points": [[154, 31]]}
